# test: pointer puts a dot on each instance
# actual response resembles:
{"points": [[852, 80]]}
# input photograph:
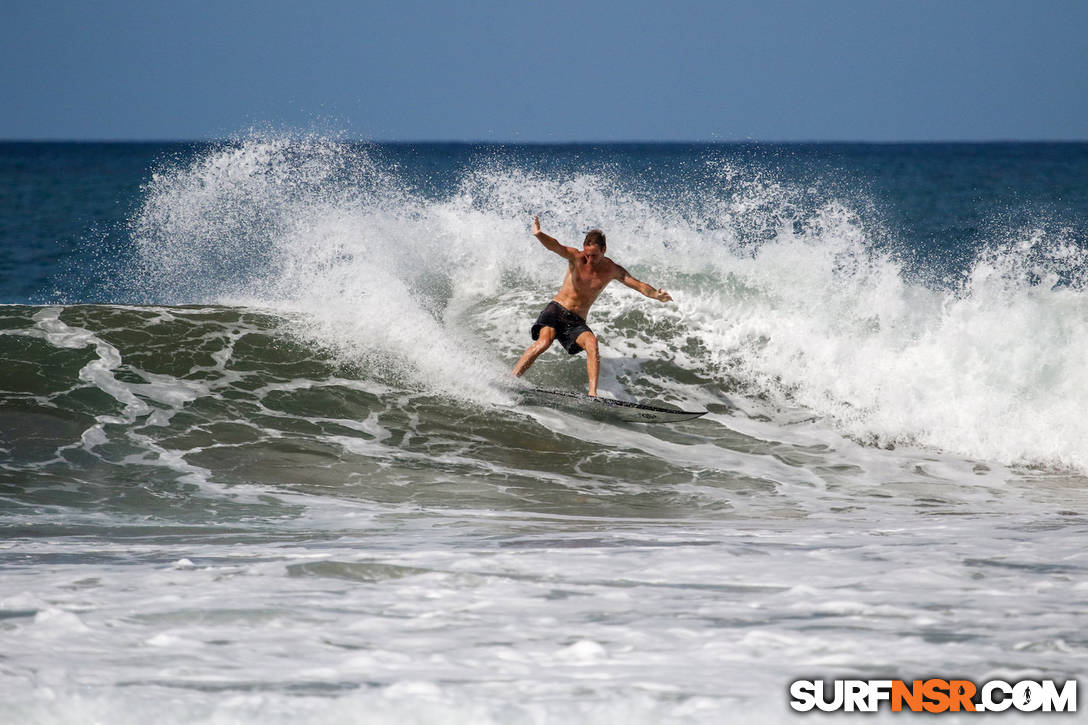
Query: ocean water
{"points": [[262, 460]]}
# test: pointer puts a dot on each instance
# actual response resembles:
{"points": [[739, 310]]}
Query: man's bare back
{"points": [[588, 273]]}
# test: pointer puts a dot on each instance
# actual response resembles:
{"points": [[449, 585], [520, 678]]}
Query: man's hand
{"points": [[550, 243], [661, 296]]}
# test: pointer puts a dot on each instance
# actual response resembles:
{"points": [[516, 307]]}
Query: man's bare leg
{"points": [[588, 341], [543, 342]]}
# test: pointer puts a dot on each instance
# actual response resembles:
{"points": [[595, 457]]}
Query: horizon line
{"points": [[571, 142]]}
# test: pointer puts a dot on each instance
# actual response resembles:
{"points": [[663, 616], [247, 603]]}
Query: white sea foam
{"points": [[777, 295], [465, 617]]}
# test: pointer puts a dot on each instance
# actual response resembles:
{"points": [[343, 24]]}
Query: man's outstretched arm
{"points": [[652, 292], [552, 243]]}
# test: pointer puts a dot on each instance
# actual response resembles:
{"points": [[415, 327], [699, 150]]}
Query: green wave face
{"points": [[149, 408]]}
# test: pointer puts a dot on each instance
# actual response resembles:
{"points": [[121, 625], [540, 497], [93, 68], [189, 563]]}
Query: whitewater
{"points": [[775, 298], [272, 466]]}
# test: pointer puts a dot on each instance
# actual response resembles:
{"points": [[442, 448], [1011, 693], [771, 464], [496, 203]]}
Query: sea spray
{"points": [[785, 292]]}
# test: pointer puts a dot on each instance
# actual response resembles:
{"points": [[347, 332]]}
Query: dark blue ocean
{"points": [[262, 458]]}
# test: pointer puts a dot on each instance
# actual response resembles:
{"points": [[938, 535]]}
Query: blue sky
{"points": [[554, 71]]}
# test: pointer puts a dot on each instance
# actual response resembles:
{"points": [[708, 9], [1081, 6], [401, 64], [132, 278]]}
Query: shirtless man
{"points": [[588, 272]]}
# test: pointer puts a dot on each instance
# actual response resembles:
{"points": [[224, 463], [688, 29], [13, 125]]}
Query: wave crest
{"points": [[783, 291]]}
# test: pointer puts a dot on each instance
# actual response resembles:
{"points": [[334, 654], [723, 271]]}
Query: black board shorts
{"points": [[567, 325]]}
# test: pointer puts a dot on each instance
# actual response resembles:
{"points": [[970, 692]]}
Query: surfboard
{"points": [[607, 408]]}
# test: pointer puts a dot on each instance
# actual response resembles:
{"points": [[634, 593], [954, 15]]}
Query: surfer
{"points": [[564, 318]]}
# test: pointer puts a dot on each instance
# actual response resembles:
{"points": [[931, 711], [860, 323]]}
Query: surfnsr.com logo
{"points": [[933, 695]]}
